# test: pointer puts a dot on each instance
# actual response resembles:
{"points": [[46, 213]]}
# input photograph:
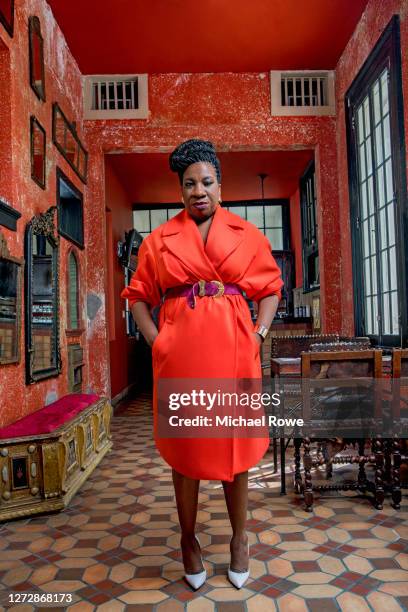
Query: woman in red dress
{"points": [[206, 335]]}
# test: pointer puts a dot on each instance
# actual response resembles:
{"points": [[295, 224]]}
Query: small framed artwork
{"points": [[36, 49], [70, 210], [20, 472], [316, 313], [67, 141], [7, 15], [37, 139]]}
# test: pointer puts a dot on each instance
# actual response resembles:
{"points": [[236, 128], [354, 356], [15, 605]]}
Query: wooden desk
{"points": [[285, 366], [289, 367]]}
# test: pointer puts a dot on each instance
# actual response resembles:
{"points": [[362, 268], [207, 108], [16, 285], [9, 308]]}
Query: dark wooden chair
{"points": [[397, 450], [319, 410], [292, 346], [343, 344]]}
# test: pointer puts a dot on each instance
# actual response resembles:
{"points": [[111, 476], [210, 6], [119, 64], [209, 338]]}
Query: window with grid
{"points": [[378, 195], [309, 229], [270, 216], [73, 292]]}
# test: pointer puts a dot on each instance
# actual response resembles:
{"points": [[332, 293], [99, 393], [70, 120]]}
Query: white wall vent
{"points": [[302, 92], [117, 96]]}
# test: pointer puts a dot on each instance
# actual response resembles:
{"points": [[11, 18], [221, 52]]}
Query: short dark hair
{"points": [[193, 151]]}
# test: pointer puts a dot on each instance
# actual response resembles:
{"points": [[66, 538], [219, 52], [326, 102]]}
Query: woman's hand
{"points": [[258, 338], [144, 321], [151, 339]]}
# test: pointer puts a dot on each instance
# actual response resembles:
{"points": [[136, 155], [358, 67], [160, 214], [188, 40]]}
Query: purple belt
{"points": [[201, 289]]}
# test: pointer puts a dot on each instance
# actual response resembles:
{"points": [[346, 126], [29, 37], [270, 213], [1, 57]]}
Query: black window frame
{"points": [[386, 54], [310, 241], [231, 204], [62, 230]]}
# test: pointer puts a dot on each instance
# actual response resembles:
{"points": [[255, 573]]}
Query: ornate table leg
{"points": [[307, 463], [396, 483], [362, 476], [379, 473], [298, 476]]}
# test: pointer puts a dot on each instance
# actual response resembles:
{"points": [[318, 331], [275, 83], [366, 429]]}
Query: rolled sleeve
{"points": [[263, 276], [144, 284]]}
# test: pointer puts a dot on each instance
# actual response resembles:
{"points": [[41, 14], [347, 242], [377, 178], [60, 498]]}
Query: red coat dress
{"points": [[213, 340]]}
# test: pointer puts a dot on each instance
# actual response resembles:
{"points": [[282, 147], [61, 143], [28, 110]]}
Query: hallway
{"points": [[116, 546]]}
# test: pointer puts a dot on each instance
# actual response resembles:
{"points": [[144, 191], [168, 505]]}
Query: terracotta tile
{"points": [[316, 591], [81, 606], [381, 601], [78, 562], [99, 598], [259, 603], [402, 560], [380, 564], [113, 605], [301, 555], [70, 574], [95, 573], [331, 565], [122, 572], [170, 605], [357, 564], [16, 576], [349, 602], [390, 575], [280, 568], [375, 553], [145, 583], [143, 597], [291, 603], [311, 578], [229, 594], [200, 605], [62, 586]]}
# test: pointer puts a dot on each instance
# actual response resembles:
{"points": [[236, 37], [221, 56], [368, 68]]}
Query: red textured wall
{"points": [[18, 101], [118, 202], [296, 235], [373, 22]]}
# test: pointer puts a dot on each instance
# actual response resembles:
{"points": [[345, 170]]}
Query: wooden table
{"points": [[290, 367]]}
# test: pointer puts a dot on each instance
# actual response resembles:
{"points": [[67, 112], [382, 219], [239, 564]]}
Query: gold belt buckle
{"points": [[220, 286], [201, 288]]}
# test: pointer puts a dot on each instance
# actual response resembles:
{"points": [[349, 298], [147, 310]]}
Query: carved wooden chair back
{"points": [[292, 346]]}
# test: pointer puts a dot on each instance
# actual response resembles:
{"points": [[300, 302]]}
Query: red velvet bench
{"points": [[46, 456]]}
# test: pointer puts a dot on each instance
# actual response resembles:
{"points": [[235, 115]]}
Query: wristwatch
{"points": [[261, 330]]}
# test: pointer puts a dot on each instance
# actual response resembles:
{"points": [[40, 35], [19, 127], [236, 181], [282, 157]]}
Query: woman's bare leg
{"points": [[186, 490], [236, 497]]}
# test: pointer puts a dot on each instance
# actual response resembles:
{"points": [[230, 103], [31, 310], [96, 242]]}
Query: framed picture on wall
{"points": [[316, 313], [70, 210], [7, 15], [37, 140], [36, 52]]}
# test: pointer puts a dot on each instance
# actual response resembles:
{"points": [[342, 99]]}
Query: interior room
{"points": [[211, 191]]}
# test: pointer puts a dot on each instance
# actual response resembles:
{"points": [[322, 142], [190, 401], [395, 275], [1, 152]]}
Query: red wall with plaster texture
{"points": [[17, 102], [373, 22], [117, 200], [232, 110]]}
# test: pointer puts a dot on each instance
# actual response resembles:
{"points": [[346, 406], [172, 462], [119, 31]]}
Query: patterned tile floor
{"points": [[117, 546]]}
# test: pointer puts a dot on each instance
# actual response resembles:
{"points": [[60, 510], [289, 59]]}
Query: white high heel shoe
{"points": [[197, 579], [238, 579]]}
